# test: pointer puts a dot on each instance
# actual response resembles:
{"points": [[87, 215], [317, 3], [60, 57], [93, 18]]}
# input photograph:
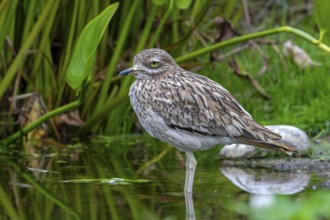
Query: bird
{"points": [[190, 111]]}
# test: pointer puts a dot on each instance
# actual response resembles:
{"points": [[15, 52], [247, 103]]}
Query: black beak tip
{"points": [[125, 72]]}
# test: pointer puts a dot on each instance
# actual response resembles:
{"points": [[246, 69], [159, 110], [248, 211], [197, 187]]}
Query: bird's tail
{"points": [[273, 145]]}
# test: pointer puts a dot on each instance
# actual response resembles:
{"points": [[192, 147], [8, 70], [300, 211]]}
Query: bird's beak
{"points": [[127, 71]]}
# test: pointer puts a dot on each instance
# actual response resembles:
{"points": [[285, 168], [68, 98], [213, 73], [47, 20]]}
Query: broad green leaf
{"points": [[81, 64], [322, 15], [159, 2], [183, 4]]}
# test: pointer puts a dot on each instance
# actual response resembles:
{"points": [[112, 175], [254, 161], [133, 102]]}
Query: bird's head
{"points": [[150, 63]]}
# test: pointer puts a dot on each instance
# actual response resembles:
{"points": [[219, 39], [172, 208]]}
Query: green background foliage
{"points": [[38, 38]]}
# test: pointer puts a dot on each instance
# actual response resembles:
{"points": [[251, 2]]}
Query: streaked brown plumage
{"points": [[189, 111]]}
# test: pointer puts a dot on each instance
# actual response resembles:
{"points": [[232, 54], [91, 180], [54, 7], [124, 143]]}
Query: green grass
{"points": [[297, 96]]}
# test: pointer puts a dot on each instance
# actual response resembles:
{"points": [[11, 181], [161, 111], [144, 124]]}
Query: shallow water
{"points": [[137, 177]]}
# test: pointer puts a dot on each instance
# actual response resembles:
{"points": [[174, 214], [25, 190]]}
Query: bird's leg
{"points": [[190, 171], [190, 210]]}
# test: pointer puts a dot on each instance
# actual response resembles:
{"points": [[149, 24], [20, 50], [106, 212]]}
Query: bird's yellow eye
{"points": [[154, 64]]}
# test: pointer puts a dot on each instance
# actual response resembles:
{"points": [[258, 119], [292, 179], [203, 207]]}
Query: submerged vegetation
{"points": [[38, 39], [106, 179]]}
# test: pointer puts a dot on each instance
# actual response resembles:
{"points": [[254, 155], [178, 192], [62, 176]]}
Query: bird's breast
{"points": [[140, 94]]}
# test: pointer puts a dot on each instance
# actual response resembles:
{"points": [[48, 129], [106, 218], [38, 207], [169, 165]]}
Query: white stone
{"points": [[291, 136]]}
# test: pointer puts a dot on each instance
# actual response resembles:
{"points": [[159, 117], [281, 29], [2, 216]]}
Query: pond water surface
{"points": [[137, 177]]}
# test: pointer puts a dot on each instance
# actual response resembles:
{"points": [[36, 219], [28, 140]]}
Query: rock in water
{"points": [[291, 136]]}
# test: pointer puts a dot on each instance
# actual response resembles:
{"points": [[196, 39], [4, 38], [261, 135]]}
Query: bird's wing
{"points": [[196, 104]]}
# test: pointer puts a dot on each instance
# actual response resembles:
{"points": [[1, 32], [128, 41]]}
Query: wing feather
{"points": [[196, 104]]}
